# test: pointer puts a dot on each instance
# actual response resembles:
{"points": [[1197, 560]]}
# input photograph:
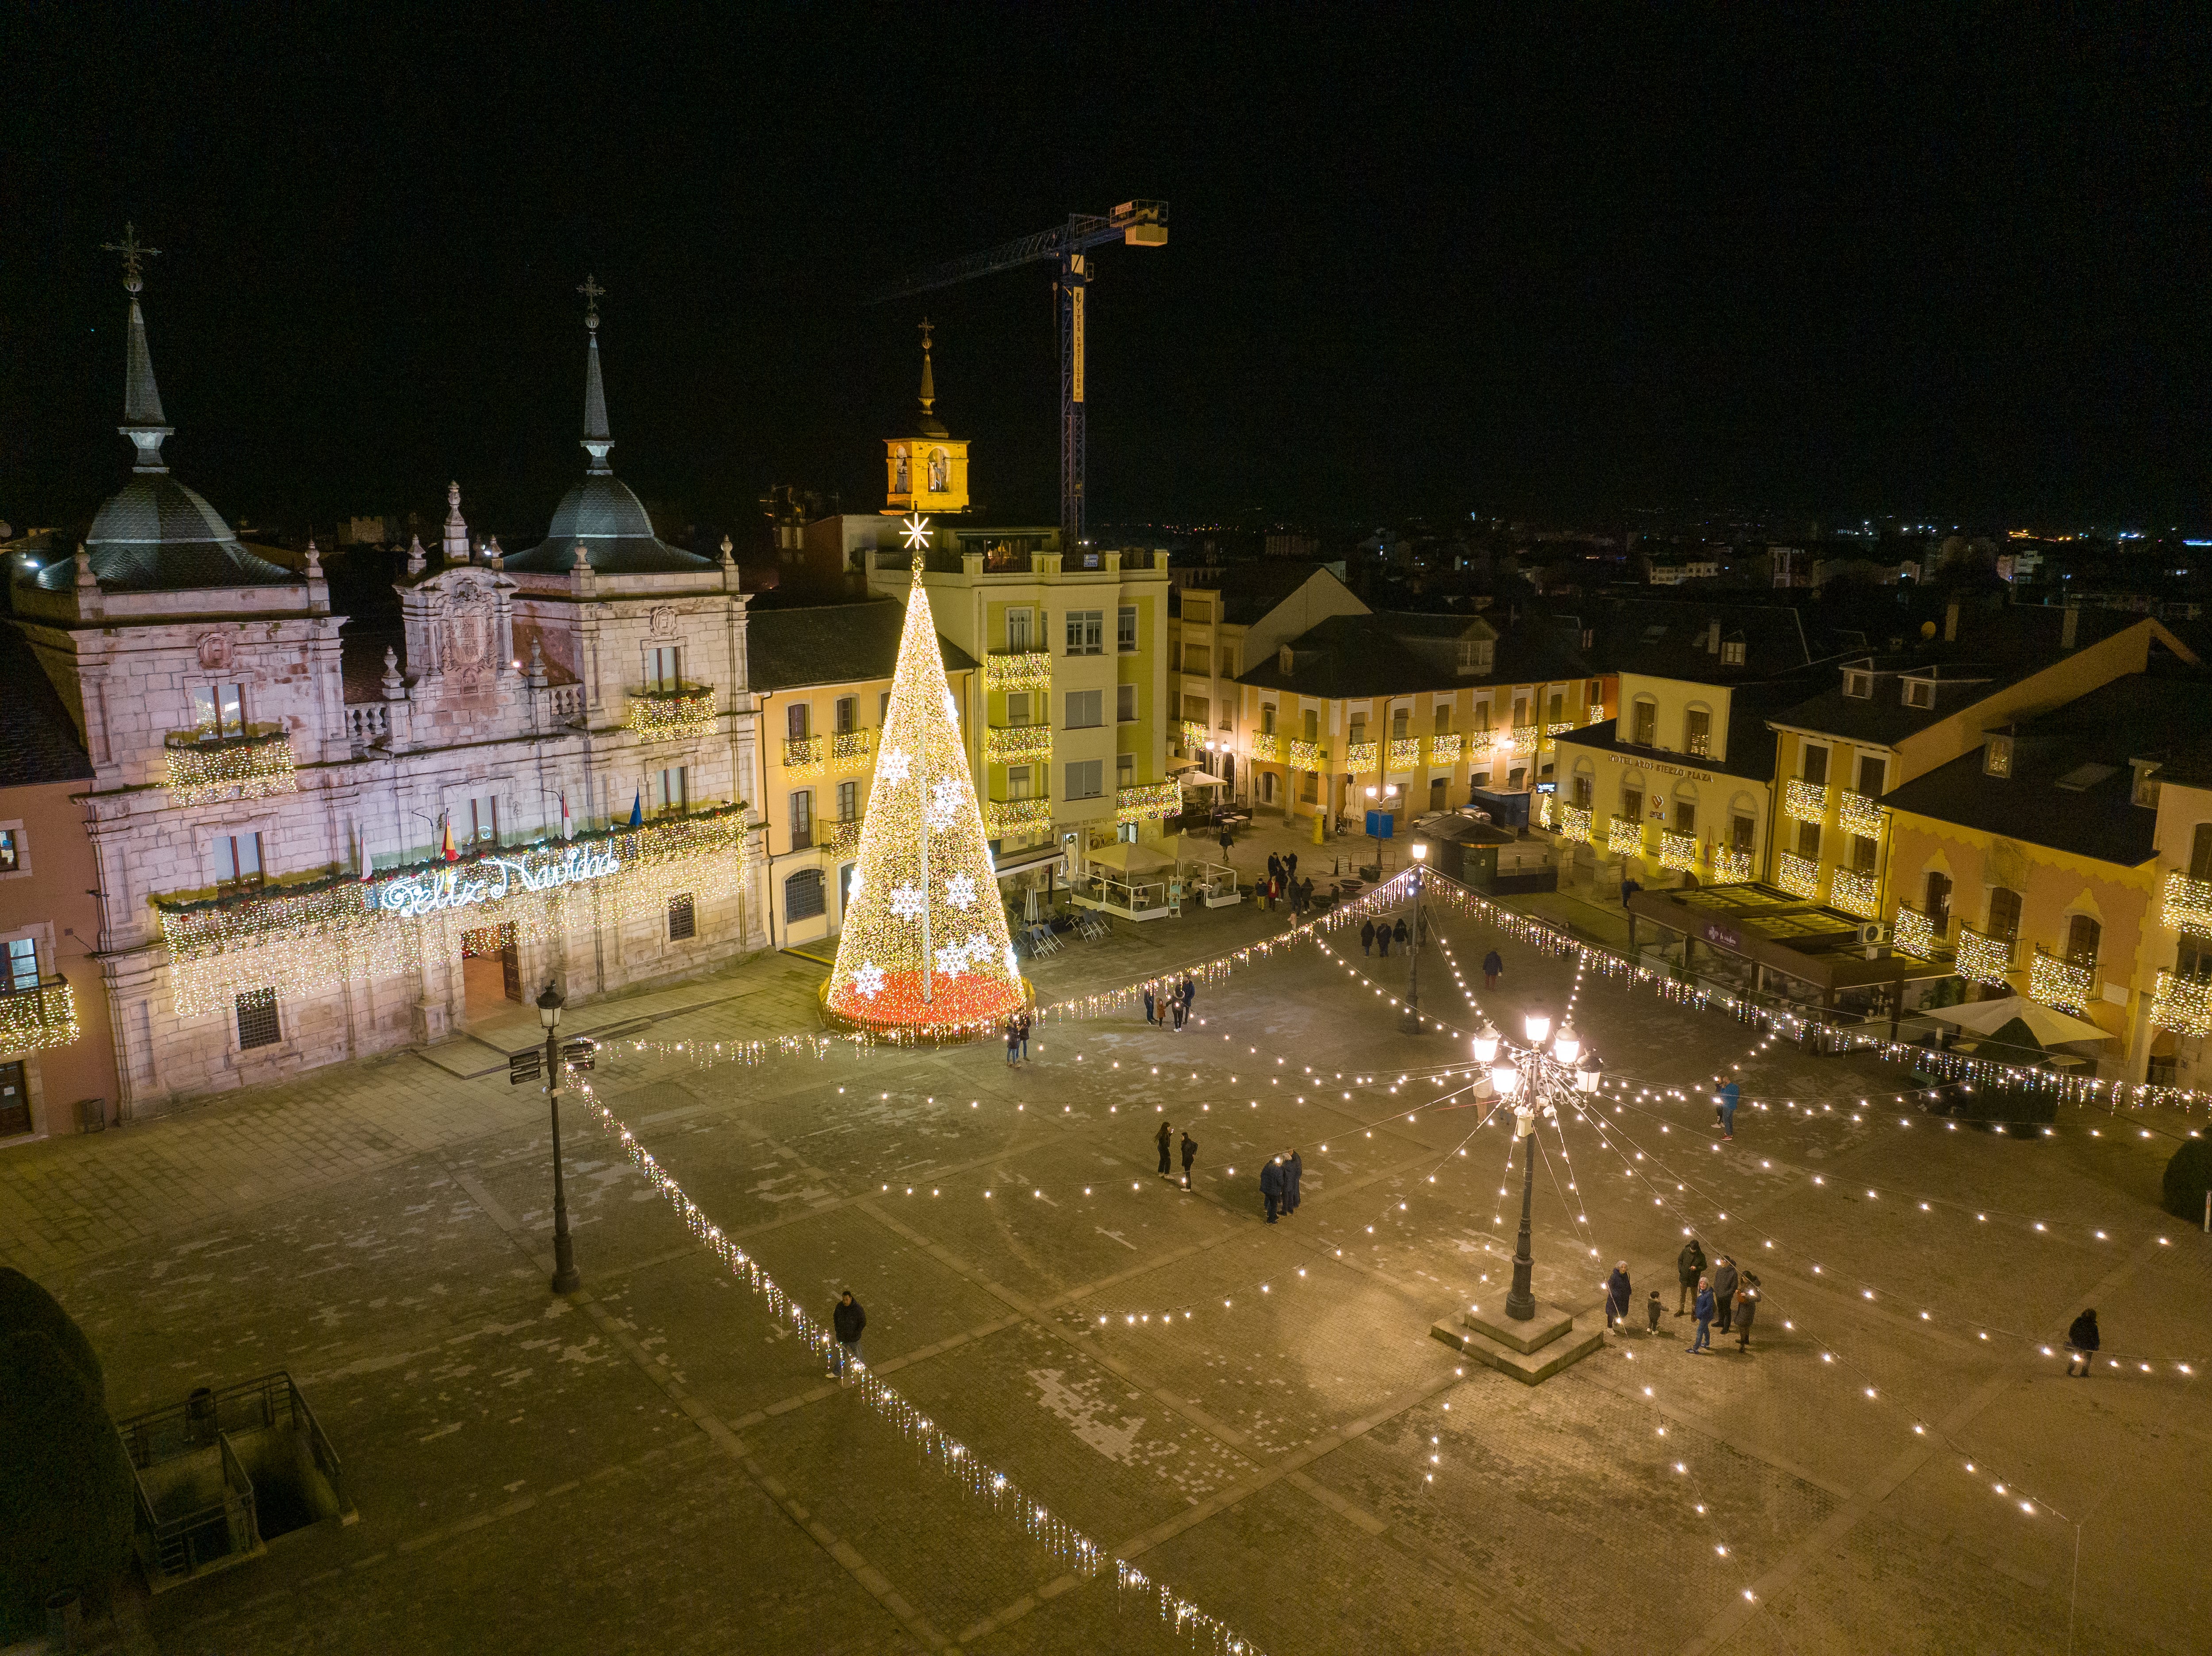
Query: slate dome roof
{"points": [[154, 534]]}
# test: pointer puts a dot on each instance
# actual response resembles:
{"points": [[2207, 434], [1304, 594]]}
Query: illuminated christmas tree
{"points": [[925, 945]]}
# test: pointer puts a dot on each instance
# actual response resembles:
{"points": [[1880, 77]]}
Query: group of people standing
{"points": [[1017, 1038], [1373, 936], [1171, 1008], [1279, 1184], [1728, 1296], [1165, 1139], [1283, 885]]}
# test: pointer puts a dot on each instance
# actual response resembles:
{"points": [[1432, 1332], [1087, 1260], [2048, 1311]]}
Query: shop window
{"points": [[1310, 790], [803, 896], [257, 1024], [682, 922]]}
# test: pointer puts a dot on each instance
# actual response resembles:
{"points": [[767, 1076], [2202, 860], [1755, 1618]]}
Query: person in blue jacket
{"points": [[1705, 1314]]}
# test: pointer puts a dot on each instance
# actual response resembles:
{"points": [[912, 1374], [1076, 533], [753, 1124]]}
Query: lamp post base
{"points": [[1531, 1351]]}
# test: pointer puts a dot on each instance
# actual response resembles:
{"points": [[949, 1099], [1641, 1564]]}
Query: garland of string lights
{"points": [[305, 939], [672, 715], [250, 767], [930, 1438]]}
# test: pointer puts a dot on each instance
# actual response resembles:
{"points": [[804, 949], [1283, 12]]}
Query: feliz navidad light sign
{"points": [[492, 879]]}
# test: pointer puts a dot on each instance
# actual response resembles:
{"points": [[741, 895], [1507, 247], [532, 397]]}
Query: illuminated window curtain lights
{"points": [[848, 751], [1730, 866], [2188, 905], [845, 837], [1798, 875], [1678, 851], [1362, 757], [1525, 736], [1546, 810], [924, 948], [1861, 816], [1002, 817], [2060, 983], [1916, 932], [1444, 749], [672, 715], [1030, 671], [1017, 744], [1309, 755], [1559, 729], [1266, 746], [1405, 753], [1148, 802], [34, 1019], [803, 756], [1855, 893], [1804, 802], [1981, 959], [1575, 822], [254, 765], [2183, 1005], [1624, 837]]}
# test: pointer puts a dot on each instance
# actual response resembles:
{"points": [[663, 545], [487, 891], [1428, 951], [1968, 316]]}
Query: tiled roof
{"points": [[1400, 653], [2050, 798], [832, 644], [37, 739], [1751, 740], [1249, 590], [1673, 638]]}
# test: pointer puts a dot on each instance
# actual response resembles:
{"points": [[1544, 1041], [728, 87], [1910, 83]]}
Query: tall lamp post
{"points": [[1411, 1023], [565, 1279], [1533, 1086]]}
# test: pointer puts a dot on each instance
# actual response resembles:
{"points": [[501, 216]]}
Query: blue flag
{"points": [[637, 809]]}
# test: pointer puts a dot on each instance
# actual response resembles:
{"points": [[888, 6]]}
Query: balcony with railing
{"points": [[249, 764], [1405, 753], [1526, 737], [1731, 866], [1678, 851], [1309, 755], [1860, 814], [1147, 802], [1004, 816], [1018, 670], [1983, 959], [1575, 823], [1624, 837], [1017, 744], [804, 755], [1444, 749], [34, 1016], [1266, 746], [1856, 893], [1804, 802], [1915, 931], [2055, 981], [843, 836], [2183, 1005], [671, 713], [368, 723], [2188, 905], [1798, 875], [1190, 736], [850, 751], [1361, 758], [1698, 744]]}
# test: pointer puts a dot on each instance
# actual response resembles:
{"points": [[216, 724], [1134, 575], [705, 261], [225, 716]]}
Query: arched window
{"points": [[1698, 731], [940, 471], [802, 896], [1583, 783], [1643, 723], [2083, 935], [2004, 913], [899, 471], [1936, 906], [1685, 809]]}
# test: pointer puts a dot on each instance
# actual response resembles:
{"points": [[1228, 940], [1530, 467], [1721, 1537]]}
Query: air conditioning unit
{"points": [[1873, 933]]}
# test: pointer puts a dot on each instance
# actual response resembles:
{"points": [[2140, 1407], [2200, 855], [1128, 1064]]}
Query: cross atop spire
{"points": [[593, 293], [134, 252]]}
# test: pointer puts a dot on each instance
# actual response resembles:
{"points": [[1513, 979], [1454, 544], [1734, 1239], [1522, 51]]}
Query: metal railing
{"points": [[38, 1016]]}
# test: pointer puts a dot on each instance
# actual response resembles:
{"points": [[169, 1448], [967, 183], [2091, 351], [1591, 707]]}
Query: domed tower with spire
{"points": [[927, 473]]}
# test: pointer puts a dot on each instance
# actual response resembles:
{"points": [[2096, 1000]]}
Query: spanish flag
{"points": [[447, 851]]}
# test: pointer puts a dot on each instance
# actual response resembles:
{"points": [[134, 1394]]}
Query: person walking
{"points": [[1190, 990], [2081, 1343], [1747, 1307], [1704, 1308], [1152, 1010], [1024, 1020], [1730, 1094], [1224, 844], [1291, 866], [846, 1320], [1178, 1009], [1399, 935], [1189, 1155], [1367, 939], [1617, 1290], [1271, 1185], [1165, 1139], [1725, 1278], [1294, 1170], [1688, 1264], [1492, 968], [1382, 939]]}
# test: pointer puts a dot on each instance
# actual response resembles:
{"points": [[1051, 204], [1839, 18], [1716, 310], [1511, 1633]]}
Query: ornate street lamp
{"points": [[1533, 1079], [565, 1279], [1411, 1023]]}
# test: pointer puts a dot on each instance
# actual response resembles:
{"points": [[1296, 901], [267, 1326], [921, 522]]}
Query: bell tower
{"points": [[926, 472]]}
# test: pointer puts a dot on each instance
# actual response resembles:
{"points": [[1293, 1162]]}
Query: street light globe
{"points": [[1420, 851], [1588, 1076], [549, 1006], [1370, 793], [1485, 1042], [1504, 1077], [1538, 1024], [1567, 1045]]}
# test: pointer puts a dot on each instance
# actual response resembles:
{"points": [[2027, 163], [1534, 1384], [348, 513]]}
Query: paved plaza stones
{"points": [[659, 1465]]}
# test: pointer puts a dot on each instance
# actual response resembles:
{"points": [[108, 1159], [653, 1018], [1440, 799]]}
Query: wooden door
{"points": [[14, 1101]]}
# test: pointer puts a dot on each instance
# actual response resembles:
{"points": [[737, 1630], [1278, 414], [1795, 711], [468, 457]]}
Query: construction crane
{"points": [[1141, 224]]}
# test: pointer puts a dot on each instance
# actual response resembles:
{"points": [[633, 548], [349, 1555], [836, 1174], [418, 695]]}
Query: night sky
{"points": [[1954, 268]]}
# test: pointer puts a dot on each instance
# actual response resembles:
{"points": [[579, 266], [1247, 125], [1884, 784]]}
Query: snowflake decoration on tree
{"points": [[868, 980], [960, 892], [943, 803], [894, 766], [952, 959], [908, 902], [1013, 966]]}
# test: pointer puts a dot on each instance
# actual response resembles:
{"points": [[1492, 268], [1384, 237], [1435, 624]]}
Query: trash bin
{"points": [[92, 1115]]}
